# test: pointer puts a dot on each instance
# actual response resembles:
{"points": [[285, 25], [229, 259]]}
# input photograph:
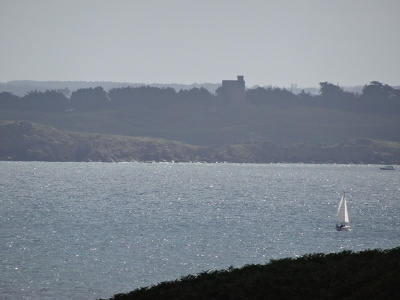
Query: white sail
{"points": [[346, 214], [342, 216]]}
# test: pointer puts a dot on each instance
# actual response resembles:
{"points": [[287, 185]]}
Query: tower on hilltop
{"points": [[234, 91]]}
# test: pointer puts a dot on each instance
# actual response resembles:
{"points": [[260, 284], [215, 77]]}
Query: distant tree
{"points": [[330, 91], [90, 99], [270, 94], [144, 95], [196, 95], [121, 96], [65, 91], [378, 91], [157, 97], [305, 97], [379, 97], [48, 101], [257, 95], [219, 92], [9, 101], [334, 96]]}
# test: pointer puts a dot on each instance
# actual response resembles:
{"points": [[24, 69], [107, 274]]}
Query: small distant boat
{"points": [[388, 168], [342, 216]]}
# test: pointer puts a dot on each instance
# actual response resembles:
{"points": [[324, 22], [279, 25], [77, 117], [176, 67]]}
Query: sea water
{"points": [[91, 230]]}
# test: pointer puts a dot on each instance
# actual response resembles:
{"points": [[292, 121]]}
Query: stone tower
{"points": [[234, 91]]}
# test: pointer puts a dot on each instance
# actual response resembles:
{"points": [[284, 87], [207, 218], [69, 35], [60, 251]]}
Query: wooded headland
{"points": [[162, 124]]}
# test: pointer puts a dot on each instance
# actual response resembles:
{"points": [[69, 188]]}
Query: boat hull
{"points": [[387, 168], [342, 227]]}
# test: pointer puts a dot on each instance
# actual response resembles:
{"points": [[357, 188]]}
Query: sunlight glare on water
{"points": [[91, 230]]}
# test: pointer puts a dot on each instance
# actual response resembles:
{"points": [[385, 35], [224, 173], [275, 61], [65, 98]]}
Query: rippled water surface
{"points": [[91, 230]]}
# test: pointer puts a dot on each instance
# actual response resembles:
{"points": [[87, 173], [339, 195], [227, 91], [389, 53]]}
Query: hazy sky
{"points": [[278, 43]]}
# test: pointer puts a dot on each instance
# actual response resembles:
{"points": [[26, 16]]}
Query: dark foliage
{"points": [[200, 118], [145, 95], [370, 274], [259, 96], [196, 95], [8, 101], [90, 99], [378, 97], [48, 101], [375, 98]]}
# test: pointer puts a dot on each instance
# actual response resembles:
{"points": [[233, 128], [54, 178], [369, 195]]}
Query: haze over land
{"points": [[86, 66], [276, 43], [251, 125]]}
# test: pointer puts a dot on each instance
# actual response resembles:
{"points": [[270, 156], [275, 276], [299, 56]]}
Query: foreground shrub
{"points": [[370, 274]]}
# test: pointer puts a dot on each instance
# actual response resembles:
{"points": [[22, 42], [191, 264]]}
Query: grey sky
{"points": [[279, 43]]}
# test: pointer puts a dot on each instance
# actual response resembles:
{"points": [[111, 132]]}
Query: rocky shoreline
{"points": [[28, 141]]}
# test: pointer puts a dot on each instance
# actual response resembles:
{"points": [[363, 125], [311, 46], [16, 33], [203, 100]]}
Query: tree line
{"points": [[375, 97]]}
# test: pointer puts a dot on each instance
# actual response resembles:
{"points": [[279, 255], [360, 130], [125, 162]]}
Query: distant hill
{"points": [[370, 274], [219, 126], [198, 117], [27, 141]]}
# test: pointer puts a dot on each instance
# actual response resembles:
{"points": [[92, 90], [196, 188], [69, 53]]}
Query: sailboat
{"points": [[342, 216]]}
